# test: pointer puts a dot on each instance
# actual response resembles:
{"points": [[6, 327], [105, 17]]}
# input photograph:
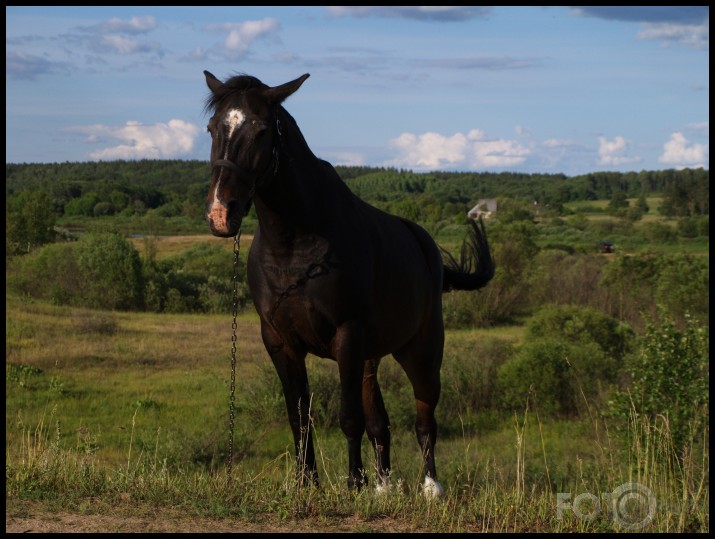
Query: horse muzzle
{"points": [[225, 219]]}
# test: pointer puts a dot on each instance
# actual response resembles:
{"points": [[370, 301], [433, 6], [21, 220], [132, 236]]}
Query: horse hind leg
{"points": [[377, 423], [422, 366]]}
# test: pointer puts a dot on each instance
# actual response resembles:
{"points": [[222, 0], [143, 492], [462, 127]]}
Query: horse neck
{"points": [[286, 206]]}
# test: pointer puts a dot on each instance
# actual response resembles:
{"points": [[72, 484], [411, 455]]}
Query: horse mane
{"points": [[236, 84]]}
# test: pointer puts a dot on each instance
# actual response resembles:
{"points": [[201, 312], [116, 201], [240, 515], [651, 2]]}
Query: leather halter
{"points": [[271, 169]]}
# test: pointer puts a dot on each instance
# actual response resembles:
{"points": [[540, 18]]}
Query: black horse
{"points": [[331, 275]]}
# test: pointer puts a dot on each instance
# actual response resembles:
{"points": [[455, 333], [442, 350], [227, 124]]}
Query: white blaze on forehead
{"points": [[234, 118]]}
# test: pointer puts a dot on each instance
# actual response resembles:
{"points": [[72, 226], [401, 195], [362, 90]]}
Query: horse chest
{"points": [[300, 302]]}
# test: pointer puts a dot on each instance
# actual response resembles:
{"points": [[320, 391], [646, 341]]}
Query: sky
{"points": [[454, 88]]}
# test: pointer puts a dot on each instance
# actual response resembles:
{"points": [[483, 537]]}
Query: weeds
{"points": [[150, 433], [480, 498]]}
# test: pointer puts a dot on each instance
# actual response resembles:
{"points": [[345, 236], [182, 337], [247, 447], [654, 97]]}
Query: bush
{"points": [[111, 272], [469, 371], [539, 374], [687, 227], [464, 309], [583, 325], [637, 283], [50, 273], [570, 354], [669, 378], [198, 279], [29, 221], [656, 232], [569, 279]]}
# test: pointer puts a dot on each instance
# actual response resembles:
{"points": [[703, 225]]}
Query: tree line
{"points": [[95, 189]]}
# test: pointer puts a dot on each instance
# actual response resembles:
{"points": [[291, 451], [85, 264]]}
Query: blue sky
{"points": [[530, 89]]}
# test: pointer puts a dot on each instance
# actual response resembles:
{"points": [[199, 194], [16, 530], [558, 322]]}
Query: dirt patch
{"points": [[32, 517]]}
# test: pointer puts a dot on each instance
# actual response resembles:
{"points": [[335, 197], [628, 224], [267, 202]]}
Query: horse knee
{"points": [[352, 424]]}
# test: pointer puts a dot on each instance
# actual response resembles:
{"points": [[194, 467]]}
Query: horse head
{"points": [[245, 134]]}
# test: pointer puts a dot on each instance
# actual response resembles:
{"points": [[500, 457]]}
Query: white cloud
{"points": [[558, 143], [498, 153], [198, 54], [696, 36], [677, 152], [135, 25], [242, 35], [126, 45], [140, 141], [433, 151], [429, 150], [699, 128], [346, 158], [425, 13], [612, 153]]}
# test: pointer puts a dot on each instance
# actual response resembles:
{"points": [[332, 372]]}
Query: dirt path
{"points": [[33, 517]]}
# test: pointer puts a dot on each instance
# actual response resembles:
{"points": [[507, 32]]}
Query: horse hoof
{"points": [[432, 488], [383, 486]]}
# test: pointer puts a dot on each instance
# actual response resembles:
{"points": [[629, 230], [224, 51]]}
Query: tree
{"points": [[111, 272], [618, 201], [29, 221]]}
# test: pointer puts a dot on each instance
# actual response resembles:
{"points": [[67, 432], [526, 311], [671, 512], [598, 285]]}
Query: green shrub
{"points": [[683, 286], [111, 272], [657, 232], [198, 279], [469, 372], [539, 374], [30, 218], [50, 273], [687, 227], [570, 358], [679, 282], [670, 378], [583, 325]]}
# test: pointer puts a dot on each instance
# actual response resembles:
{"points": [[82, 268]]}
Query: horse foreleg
{"points": [[377, 422], [291, 370], [348, 348]]}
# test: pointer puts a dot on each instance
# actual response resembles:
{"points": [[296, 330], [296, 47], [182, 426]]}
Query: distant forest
{"points": [[178, 188]]}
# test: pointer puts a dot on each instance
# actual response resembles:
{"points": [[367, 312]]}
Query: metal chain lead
{"points": [[234, 338]]}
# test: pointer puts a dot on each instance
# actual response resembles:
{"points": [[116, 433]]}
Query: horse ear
{"points": [[278, 94], [212, 82]]}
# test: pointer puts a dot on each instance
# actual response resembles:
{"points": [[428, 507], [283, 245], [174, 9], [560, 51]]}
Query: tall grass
{"points": [[127, 414], [487, 494]]}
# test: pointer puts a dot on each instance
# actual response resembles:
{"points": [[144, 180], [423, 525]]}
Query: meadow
{"points": [[126, 414], [117, 419]]}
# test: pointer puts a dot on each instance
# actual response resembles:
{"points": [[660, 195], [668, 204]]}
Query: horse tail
{"points": [[475, 267]]}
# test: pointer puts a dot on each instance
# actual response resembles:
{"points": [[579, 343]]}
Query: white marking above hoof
{"points": [[383, 486], [432, 488]]}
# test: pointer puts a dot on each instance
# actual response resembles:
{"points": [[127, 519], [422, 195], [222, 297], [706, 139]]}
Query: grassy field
{"points": [[124, 415], [166, 246], [118, 421]]}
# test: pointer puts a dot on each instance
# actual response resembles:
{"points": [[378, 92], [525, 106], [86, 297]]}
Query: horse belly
{"points": [[405, 304]]}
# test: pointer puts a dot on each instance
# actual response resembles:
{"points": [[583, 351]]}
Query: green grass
{"points": [[127, 413], [596, 206]]}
